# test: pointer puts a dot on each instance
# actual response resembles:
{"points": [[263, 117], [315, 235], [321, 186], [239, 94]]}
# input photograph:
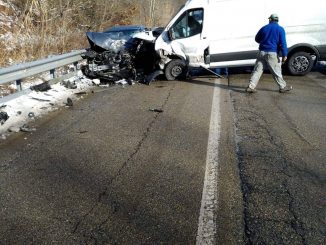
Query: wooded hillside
{"points": [[31, 29]]}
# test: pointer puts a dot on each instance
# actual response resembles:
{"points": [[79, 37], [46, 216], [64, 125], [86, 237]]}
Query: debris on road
{"points": [[156, 110], [81, 93], [121, 82], [26, 129], [151, 77], [69, 102], [31, 115], [83, 131], [111, 58], [21, 110], [70, 83], [97, 81], [40, 98], [3, 117], [41, 87]]}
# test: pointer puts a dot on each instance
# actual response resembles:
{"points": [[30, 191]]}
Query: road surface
{"points": [[213, 165]]}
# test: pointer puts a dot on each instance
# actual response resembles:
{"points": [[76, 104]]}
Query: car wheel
{"points": [[300, 63], [175, 69]]}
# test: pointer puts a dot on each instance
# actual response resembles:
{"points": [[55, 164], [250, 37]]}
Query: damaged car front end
{"points": [[115, 55]]}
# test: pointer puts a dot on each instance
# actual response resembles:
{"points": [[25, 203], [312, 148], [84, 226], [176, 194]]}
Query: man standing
{"points": [[271, 39]]}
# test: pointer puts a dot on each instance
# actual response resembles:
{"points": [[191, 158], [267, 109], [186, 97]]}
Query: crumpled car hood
{"points": [[112, 57], [107, 41]]}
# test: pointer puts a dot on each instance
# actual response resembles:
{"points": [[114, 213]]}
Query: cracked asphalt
{"points": [[281, 151], [111, 171]]}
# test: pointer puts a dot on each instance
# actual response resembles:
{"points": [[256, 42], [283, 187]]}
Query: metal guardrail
{"points": [[21, 71]]}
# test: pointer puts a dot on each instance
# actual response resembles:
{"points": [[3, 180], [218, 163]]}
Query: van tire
{"points": [[299, 63], [175, 69]]}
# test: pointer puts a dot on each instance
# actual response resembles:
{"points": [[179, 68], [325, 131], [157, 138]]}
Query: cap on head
{"points": [[273, 17]]}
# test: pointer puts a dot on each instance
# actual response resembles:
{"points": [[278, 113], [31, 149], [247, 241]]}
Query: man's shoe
{"points": [[251, 90], [286, 89]]}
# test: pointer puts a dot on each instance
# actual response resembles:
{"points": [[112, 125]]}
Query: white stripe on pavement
{"points": [[207, 219]]}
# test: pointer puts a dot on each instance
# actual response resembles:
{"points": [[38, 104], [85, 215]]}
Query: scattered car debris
{"points": [[69, 83], [156, 110], [151, 77], [40, 99], [103, 86], [81, 93], [31, 115], [111, 57], [69, 102], [41, 87], [37, 102], [97, 81], [3, 117], [121, 82], [26, 129], [83, 131]]}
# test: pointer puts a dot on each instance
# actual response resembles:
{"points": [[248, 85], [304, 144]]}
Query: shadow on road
{"points": [[223, 86], [198, 75]]}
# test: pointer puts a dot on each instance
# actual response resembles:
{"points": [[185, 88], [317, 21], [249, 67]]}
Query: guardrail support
{"points": [[19, 85], [52, 73], [18, 73], [76, 65]]}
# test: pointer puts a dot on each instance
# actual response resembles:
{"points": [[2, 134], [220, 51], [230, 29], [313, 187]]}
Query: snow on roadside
{"points": [[27, 108]]}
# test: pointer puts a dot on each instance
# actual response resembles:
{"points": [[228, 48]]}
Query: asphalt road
{"points": [[111, 171]]}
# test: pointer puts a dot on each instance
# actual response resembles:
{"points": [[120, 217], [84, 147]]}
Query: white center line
{"points": [[207, 219]]}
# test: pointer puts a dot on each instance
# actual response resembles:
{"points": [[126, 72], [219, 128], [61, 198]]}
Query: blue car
{"points": [[116, 54], [113, 38]]}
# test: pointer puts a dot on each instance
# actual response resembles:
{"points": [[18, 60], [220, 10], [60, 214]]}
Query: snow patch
{"points": [[27, 108]]}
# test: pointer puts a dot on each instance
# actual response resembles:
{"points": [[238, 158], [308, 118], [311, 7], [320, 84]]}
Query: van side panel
{"points": [[303, 23], [231, 26]]}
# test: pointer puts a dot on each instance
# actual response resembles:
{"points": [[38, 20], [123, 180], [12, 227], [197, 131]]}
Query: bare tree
{"points": [[57, 26]]}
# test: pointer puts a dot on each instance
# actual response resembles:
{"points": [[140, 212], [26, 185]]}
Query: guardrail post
{"points": [[76, 65], [52, 73], [19, 85]]}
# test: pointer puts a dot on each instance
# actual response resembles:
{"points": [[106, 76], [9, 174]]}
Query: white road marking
{"points": [[206, 233]]}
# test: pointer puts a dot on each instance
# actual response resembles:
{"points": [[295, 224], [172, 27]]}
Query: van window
{"points": [[189, 24]]}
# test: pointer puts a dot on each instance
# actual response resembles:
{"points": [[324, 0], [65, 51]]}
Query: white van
{"points": [[221, 33]]}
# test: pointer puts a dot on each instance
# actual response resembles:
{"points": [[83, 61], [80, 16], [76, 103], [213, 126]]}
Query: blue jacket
{"points": [[271, 38]]}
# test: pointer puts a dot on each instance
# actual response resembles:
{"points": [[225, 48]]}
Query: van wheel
{"points": [[300, 63], [175, 69]]}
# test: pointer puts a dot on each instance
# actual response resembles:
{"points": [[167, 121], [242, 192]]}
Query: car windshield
{"points": [[125, 30]]}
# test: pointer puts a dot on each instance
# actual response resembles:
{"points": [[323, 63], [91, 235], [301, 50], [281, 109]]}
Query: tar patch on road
{"points": [[279, 175]]}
